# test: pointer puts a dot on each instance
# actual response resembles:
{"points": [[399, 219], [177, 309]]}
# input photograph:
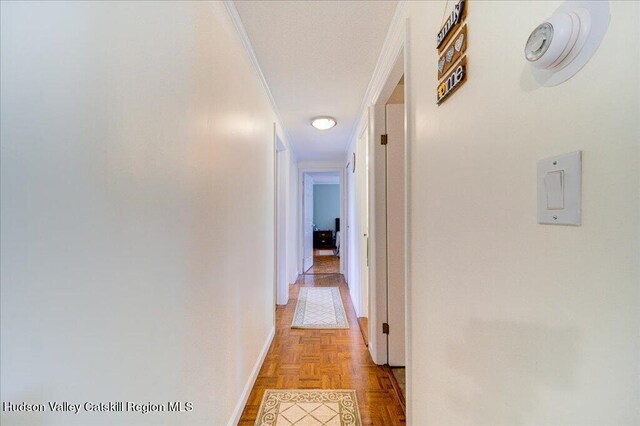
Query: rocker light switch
{"points": [[559, 189], [555, 192]]}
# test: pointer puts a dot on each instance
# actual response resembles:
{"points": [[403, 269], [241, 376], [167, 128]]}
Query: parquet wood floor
{"points": [[325, 265], [325, 359]]}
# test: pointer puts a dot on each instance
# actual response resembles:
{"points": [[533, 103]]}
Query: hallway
{"points": [[325, 359], [446, 191]]}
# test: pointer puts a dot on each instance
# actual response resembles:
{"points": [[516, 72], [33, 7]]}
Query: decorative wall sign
{"points": [[453, 81], [449, 28], [453, 52]]}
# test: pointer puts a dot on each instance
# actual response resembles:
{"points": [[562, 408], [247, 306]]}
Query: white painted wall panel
{"points": [[354, 278], [137, 209], [307, 223], [362, 230], [292, 220], [515, 322]]}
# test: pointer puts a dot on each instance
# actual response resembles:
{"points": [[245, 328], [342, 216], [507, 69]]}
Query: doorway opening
{"points": [[322, 213], [396, 230], [387, 229]]}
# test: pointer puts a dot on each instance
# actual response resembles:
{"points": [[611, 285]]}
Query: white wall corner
{"points": [[237, 412], [391, 47], [356, 306], [248, 47]]}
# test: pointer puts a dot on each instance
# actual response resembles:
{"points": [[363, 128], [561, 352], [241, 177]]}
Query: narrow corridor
{"points": [[325, 359], [294, 212]]}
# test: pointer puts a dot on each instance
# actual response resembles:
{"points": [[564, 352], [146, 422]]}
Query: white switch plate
{"points": [[571, 167]]}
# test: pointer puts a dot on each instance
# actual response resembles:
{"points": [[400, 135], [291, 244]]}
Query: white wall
{"points": [[361, 229], [288, 247], [347, 231], [292, 220], [282, 281], [355, 191], [515, 322], [137, 209]]}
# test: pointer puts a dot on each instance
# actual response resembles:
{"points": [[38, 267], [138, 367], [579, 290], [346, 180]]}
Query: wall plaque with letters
{"points": [[453, 52], [452, 82], [451, 25], [451, 44]]}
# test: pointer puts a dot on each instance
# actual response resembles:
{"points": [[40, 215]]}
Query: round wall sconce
{"points": [[559, 47]]}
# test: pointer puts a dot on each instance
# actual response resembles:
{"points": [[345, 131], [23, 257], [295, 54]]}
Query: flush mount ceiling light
{"points": [[559, 47], [323, 123]]}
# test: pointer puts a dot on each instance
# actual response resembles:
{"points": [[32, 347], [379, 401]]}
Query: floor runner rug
{"points": [[319, 307]]}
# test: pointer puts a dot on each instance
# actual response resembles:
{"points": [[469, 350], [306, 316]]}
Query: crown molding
{"points": [[244, 37], [391, 48]]}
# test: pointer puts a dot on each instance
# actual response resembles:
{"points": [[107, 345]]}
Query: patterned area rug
{"points": [[319, 307], [309, 408]]}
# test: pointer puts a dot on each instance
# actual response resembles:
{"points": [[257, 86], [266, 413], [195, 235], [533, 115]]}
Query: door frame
{"points": [[377, 222], [393, 63], [311, 167], [307, 186], [281, 294]]}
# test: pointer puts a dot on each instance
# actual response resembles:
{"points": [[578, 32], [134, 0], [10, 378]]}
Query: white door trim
{"points": [[377, 222], [307, 220], [394, 57], [280, 224]]}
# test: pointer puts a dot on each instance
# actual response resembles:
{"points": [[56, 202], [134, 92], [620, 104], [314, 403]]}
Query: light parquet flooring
{"points": [[325, 359], [325, 265]]}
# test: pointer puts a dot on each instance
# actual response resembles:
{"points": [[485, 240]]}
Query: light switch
{"points": [[560, 189], [553, 183]]}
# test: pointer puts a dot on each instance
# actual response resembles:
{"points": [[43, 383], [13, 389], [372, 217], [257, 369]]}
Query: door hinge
{"points": [[385, 328], [383, 139]]}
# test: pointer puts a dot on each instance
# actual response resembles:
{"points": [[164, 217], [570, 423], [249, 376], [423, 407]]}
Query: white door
{"points": [[307, 223], [363, 221], [395, 234]]}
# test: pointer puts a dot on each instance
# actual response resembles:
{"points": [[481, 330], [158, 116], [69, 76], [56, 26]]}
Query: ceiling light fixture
{"points": [[323, 123]]}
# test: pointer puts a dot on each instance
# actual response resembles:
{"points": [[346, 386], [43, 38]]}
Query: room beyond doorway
{"points": [[321, 222]]}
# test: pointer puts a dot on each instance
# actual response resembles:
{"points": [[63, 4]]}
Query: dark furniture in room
{"points": [[322, 239]]}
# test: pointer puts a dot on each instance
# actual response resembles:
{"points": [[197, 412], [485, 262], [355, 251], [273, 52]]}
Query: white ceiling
{"points": [[317, 58], [323, 178]]}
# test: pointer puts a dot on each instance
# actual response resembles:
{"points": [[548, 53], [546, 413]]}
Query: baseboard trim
{"points": [[237, 412], [363, 323], [356, 307]]}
